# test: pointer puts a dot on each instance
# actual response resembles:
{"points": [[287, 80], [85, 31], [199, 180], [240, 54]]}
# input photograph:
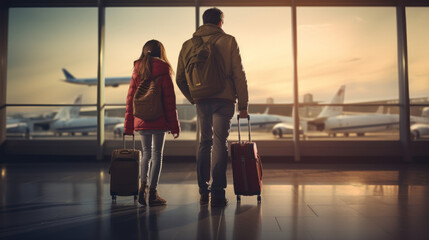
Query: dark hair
{"points": [[152, 48], [213, 16]]}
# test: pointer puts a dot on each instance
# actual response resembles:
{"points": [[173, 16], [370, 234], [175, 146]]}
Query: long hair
{"points": [[152, 48]]}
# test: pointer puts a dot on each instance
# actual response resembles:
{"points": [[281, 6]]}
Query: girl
{"points": [[152, 64]]}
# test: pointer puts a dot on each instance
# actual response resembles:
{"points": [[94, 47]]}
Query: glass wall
{"points": [[348, 56], [266, 51], [347, 63], [418, 70]]}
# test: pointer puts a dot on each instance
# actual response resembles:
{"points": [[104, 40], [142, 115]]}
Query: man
{"points": [[216, 111]]}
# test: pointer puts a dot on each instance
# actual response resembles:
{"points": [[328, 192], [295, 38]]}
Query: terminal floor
{"points": [[362, 202]]}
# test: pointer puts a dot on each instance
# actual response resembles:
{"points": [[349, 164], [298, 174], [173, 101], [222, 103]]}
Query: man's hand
{"points": [[243, 114]]}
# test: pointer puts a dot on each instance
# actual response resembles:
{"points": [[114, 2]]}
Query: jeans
{"points": [[153, 148], [214, 117]]}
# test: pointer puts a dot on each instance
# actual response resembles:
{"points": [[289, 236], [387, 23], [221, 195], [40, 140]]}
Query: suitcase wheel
{"points": [[259, 199], [238, 198]]}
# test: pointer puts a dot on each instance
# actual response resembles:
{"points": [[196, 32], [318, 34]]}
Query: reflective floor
{"points": [[72, 201]]}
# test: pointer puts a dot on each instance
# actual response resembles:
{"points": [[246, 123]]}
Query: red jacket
{"points": [[167, 122]]}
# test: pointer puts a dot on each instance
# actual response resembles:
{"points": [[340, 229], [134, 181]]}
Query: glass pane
{"points": [[44, 41], [127, 30], [266, 52], [347, 55], [418, 52], [418, 71]]}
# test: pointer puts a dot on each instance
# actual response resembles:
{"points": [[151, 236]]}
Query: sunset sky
{"points": [[352, 46]]}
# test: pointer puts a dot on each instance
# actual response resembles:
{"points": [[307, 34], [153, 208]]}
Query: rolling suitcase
{"points": [[246, 167], [124, 171]]}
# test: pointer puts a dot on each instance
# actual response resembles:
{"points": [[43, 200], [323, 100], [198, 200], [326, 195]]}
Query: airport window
{"points": [[348, 56], [127, 30], [47, 47], [42, 42], [266, 51], [418, 62]]}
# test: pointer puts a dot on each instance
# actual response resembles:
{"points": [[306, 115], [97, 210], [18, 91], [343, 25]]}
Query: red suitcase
{"points": [[124, 171], [246, 167]]}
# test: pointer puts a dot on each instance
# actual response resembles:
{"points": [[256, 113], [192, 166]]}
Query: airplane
{"points": [[113, 82], [332, 121], [286, 127], [16, 126], [419, 130], [373, 122], [260, 121], [67, 120]]}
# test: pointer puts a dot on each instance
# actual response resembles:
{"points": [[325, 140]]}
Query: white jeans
{"points": [[153, 149]]}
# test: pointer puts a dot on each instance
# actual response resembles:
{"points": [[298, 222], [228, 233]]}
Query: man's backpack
{"points": [[204, 69], [147, 102]]}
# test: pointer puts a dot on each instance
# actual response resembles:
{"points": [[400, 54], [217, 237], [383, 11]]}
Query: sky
{"points": [[356, 47]]}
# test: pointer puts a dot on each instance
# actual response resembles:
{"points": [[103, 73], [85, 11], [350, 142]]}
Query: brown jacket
{"points": [[236, 84]]}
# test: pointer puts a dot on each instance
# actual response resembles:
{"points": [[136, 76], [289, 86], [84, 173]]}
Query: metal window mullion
{"points": [[198, 127], [404, 99], [296, 133], [4, 18], [197, 14], [100, 82]]}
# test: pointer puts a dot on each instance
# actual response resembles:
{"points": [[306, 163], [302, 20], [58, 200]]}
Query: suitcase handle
{"points": [[248, 127], [123, 140]]}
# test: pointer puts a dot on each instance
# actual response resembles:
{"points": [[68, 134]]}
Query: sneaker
{"points": [[219, 202], [155, 199], [204, 199]]}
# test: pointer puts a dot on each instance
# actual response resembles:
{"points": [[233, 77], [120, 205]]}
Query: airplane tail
{"points": [[70, 112], [380, 110], [330, 111], [266, 111], [425, 112], [67, 74]]}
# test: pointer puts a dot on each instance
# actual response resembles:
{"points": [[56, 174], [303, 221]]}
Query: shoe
{"points": [[142, 194], [204, 198], [155, 199], [219, 202]]}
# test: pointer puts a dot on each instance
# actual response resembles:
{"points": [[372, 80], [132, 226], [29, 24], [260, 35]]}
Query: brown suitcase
{"points": [[246, 167], [124, 171]]}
